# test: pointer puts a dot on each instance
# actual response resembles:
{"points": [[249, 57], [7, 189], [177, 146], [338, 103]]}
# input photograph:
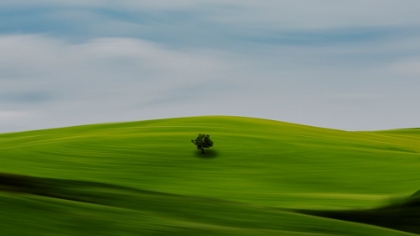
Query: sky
{"points": [[351, 65]]}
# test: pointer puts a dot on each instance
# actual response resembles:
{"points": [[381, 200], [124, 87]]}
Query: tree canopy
{"points": [[202, 141]]}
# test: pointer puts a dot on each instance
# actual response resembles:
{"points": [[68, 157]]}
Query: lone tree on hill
{"points": [[203, 141]]}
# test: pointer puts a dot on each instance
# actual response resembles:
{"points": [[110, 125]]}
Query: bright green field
{"points": [[256, 168]]}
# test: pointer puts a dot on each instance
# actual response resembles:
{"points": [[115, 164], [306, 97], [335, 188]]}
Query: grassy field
{"points": [[147, 178]]}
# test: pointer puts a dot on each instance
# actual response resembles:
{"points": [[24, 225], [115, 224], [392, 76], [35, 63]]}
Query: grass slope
{"points": [[257, 163], [102, 209], [403, 215]]}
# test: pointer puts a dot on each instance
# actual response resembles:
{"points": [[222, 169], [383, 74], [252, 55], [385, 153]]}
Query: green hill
{"points": [[403, 215], [147, 177]]}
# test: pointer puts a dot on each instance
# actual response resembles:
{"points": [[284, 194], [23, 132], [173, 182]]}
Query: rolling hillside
{"points": [[147, 177]]}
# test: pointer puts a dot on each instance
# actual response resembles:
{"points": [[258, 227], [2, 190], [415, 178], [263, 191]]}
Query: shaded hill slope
{"points": [[404, 215], [44, 206]]}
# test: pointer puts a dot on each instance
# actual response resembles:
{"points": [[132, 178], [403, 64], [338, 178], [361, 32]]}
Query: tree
{"points": [[203, 141]]}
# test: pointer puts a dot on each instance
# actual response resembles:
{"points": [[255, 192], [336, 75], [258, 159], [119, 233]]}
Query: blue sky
{"points": [[351, 65]]}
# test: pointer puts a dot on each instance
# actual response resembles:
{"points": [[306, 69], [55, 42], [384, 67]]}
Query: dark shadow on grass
{"points": [[209, 153], [73, 190], [402, 214]]}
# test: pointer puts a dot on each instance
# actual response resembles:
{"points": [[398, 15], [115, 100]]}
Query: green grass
{"points": [[403, 214], [41, 206], [256, 168]]}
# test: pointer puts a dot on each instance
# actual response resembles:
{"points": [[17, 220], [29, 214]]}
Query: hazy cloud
{"points": [[342, 64]]}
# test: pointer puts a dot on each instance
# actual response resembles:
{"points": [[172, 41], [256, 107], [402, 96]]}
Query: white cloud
{"points": [[103, 79], [6, 116], [116, 79], [407, 67], [12, 120]]}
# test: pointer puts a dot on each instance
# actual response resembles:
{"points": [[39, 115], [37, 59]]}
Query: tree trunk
{"points": [[202, 151]]}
